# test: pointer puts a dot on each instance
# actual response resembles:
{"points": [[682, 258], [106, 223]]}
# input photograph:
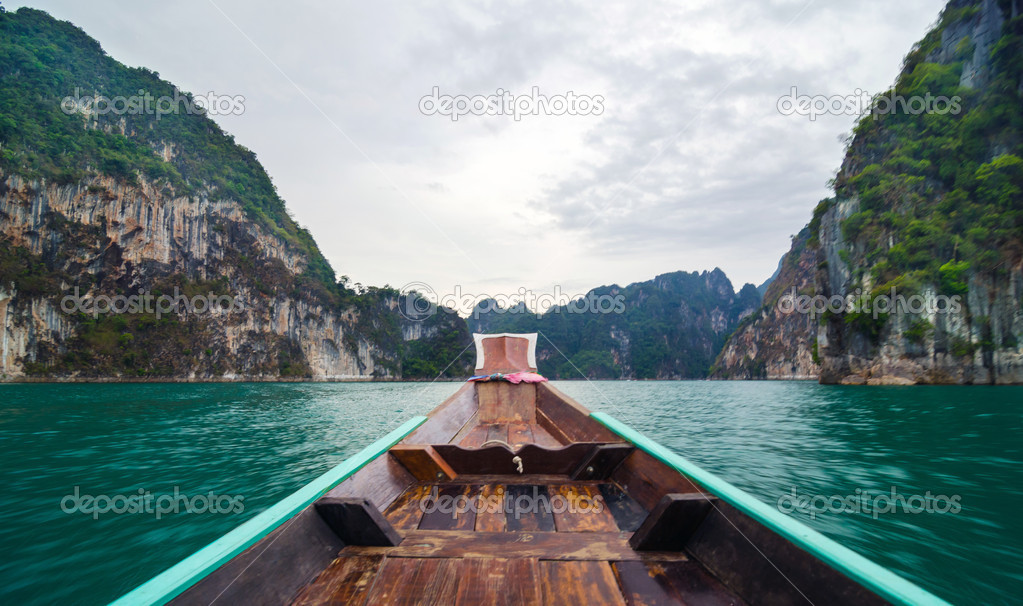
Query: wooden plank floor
{"points": [[493, 552]]}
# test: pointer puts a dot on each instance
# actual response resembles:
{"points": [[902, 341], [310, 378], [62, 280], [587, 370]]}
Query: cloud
{"points": [[690, 165]]}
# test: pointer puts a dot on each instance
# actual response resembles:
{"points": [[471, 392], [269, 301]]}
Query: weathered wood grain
{"points": [[529, 509], [502, 402], [580, 509], [764, 567], [628, 513], [671, 583], [423, 462], [519, 434], [581, 582], [570, 417], [406, 511], [647, 480], [498, 582], [454, 508], [498, 432], [607, 546], [380, 481], [446, 420], [345, 581], [542, 437], [490, 517], [471, 424], [409, 581], [476, 437]]}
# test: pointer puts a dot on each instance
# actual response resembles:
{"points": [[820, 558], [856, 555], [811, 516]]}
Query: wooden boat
{"points": [[512, 493]]}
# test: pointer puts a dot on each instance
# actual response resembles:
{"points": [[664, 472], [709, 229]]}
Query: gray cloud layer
{"points": [[690, 165]]}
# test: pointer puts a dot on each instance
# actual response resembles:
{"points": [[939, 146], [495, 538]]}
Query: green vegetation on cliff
{"points": [[670, 327], [147, 132], [941, 192], [45, 61]]}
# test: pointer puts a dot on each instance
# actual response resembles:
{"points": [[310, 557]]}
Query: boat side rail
{"points": [[175, 580], [878, 579]]}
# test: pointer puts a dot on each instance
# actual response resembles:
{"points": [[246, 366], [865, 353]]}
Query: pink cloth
{"points": [[525, 377]]}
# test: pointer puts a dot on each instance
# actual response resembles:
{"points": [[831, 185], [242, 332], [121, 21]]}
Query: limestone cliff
{"points": [[104, 237], [142, 210], [917, 263], [772, 344]]}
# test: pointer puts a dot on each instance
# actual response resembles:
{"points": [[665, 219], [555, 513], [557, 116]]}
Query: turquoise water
{"points": [[249, 445]]}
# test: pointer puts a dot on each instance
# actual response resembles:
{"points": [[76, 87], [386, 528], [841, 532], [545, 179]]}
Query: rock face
{"points": [[155, 211], [974, 346], [773, 342], [896, 217], [105, 237]]}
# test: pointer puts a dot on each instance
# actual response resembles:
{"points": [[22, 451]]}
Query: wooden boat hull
{"points": [[667, 531]]}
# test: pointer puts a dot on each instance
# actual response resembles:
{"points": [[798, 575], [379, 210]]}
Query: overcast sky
{"points": [[689, 165]]}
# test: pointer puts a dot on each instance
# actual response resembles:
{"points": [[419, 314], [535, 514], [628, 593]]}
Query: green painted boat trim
{"points": [[882, 581], [176, 579]]}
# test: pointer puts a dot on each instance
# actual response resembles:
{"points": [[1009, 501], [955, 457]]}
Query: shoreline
{"points": [[6, 380]]}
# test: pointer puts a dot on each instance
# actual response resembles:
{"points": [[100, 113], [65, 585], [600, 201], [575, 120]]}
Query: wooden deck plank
{"points": [[408, 581], [562, 413], [627, 512], [447, 420], [476, 437], [381, 481], [498, 582], [550, 427], [345, 581], [647, 480], [608, 546], [452, 509], [529, 509], [669, 583], [405, 512], [501, 402], [542, 437], [580, 582], [471, 424], [498, 431], [519, 434], [490, 517], [580, 509], [423, 462]]}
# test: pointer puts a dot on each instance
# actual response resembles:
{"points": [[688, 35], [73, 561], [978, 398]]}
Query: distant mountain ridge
{"points": [[670, 327]]}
